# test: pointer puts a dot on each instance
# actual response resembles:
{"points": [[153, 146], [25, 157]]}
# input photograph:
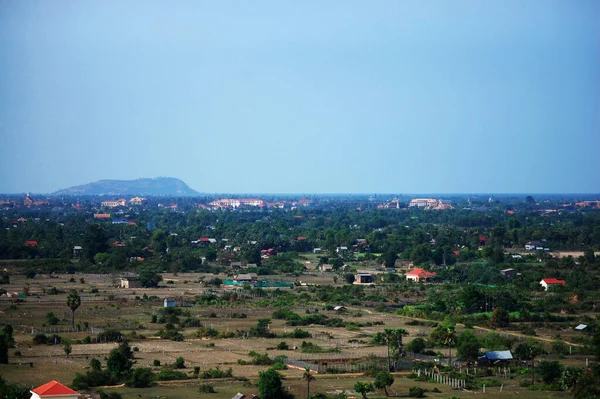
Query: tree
{"points": [[141, 377], [587, 386], [120, 361], [393, 338], [94, 241], [67, 347], [500, 318], [529, 351], [363, 388], [270, 385], [95, 364], [551, 371], [389, 258], [149, 276], [529, 200], [6, 341], [449, 339], [73, 301], [467, 346], [308, 377], [383, 380], [417, 345]]}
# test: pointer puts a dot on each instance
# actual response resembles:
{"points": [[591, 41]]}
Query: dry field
{"points": [[113, 307]]}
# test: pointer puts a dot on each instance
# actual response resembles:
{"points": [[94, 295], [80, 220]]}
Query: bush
{"points": [[110, 395], [179, 363], [216, 373], [171, 375], [416, 392], [142, 377], [207, 388], [156, 363], [51, 319], [283, 346], [40, 339]]}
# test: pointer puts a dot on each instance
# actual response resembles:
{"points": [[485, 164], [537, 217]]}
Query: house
{"points": [[236, 265], [301, 238], [551, 282], [339, 308], [482, 241], [326, 268], [239, 396], [101, 216], [341, 250], [77, 251], [363, 279], [54, 390], [533, 245], [245, 278], [170, 302], [130, 282], [267, 253], [113, 203], [491, 358], [418, 275], [508, 273], [317, 250], [137, 201], [31, 243], [581, 327]]}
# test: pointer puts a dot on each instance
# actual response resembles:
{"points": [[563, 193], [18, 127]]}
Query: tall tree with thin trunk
{"points": [[449, 340], [308, 377], [73, 301]]}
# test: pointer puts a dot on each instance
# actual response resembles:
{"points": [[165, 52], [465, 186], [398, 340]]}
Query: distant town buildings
{"points": [[113, 203]]}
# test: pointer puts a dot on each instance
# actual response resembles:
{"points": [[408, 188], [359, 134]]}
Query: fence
{"points": [[59, 330], [379, 364]]}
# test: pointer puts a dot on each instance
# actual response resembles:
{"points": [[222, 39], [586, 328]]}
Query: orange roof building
{"points": [[54, 390]]}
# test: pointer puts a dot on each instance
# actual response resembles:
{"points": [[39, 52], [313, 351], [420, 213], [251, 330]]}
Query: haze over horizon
{"points": [[311, 97]]}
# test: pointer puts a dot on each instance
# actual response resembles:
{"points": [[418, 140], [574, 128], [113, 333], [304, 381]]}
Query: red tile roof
{"points": [[31, 243], [554, 281], [300, 238], [53, 388], [101, 216], [421, 273]]}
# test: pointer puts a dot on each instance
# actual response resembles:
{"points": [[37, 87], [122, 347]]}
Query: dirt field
{"points": [[113, 307]]}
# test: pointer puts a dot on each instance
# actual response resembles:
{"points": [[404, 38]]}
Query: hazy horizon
{"points": [[312, 97]]}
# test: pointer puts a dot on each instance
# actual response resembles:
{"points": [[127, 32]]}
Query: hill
{"points": [[159, 186]]}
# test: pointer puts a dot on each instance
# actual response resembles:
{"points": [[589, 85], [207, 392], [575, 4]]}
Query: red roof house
{"points": [[551, 282], [300, 238], [31, 243], [54, 390], [419, 274]]}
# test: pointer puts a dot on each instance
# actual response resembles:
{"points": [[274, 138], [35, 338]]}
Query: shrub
{"points": [[51, 319], [216, 373], [283, 346], [156, 363], [416, 392], [141, 377], [179, 363], [207, 388], [40, 339], [170, 375], [109, 395]]}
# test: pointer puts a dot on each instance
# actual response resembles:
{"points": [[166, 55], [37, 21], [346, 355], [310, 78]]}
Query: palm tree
{"points": [[73, 301], [449, 339], [308, 377]]}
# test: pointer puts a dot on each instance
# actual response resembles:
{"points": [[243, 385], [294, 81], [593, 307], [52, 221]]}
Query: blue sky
{"points": [[302, 96]]}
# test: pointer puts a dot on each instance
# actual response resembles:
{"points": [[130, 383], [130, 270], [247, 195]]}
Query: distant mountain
{"points": [[159, 186]]}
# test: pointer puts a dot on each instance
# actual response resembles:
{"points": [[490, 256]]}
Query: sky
{"points": [[308, 96]]}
